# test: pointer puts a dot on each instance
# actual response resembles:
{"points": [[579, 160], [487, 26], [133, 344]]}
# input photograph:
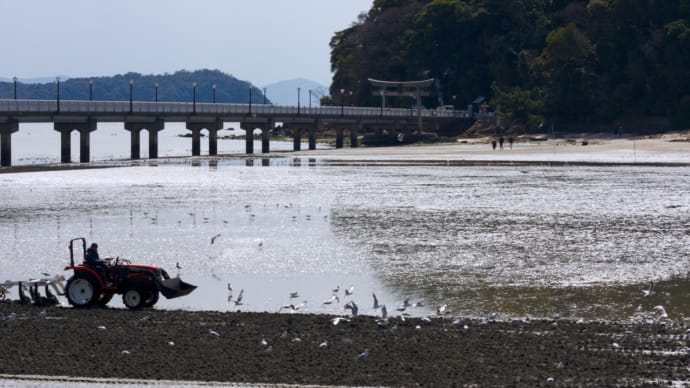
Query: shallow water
{"points": [[516, 241]]}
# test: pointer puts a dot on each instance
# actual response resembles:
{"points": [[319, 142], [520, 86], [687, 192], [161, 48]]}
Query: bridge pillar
{"points": [[6, 131], [312, 138], [297, 139], [135, 129], [135, 149], [84, 129], [248, 128], [213, 127], [338, 138], [266, 137], [353, 136]]}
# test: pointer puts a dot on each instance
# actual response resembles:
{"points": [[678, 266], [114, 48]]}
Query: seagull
{"points": [[145, 319], [376, 302], [124, 352], [293, 307], [294, 295], [263, 342], [333, 298], [650, 291], [42, 314], [337, 320], [351, 305], [442, 310], [269, 349], [662, 312], [323, 344], [336, 290], [213, 333], [178, 266], [213, 239], [364, 355], [383, 322], [350, 290], [426, 320], [229, 287], [238, 301], [405, 304]]}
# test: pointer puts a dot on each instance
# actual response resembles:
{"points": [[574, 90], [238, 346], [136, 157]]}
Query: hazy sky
{"points": [[261, 41]]}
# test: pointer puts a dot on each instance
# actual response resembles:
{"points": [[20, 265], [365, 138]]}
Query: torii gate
{"points": [[415, 89]]}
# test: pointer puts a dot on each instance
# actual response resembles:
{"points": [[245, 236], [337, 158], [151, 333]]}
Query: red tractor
{"points": [[139, 284]]}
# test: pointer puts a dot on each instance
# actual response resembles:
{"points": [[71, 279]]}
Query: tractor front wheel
{"points": [[82, 290], [133, 298]]}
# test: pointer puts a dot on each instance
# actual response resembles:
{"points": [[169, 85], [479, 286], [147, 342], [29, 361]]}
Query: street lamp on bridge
{"points": [[131, 93], [194, 97], [90, 90], [342, 102], [155, 85], [214, 93], [264, 96], [57, 80], [14, 79], [250, 100], [309, 98], [299, 93]]}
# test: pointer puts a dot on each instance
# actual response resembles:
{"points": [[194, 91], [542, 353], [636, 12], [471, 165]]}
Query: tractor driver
{"points": [[92, 257], [93, 260]]}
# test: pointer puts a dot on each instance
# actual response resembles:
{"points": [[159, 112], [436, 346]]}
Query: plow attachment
{"points": [[174, 287]]}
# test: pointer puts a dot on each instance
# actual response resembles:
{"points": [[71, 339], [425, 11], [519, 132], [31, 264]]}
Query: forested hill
{"points": [[574, 61], [175, 87]]}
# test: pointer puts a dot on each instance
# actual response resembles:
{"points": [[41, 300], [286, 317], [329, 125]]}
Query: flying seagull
{"points": [[376, 301], [650, 291], [238, 301], [332, 299], [213, 239]]}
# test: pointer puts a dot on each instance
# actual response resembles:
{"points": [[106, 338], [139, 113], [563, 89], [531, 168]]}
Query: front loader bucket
{"points": [[174, 287]]}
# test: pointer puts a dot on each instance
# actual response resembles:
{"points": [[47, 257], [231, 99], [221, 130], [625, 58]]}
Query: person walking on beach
{"points": [[510, 142], [500, 142], [493, 144]]}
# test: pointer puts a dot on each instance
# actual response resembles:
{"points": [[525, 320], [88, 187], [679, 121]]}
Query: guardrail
{"points": [[22, 107]]}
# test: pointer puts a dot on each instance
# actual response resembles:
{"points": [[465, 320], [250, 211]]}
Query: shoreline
{"points": [[667, 150], [272, 348]]}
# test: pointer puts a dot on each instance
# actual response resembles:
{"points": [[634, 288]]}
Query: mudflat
{"points": [[310, 349]]}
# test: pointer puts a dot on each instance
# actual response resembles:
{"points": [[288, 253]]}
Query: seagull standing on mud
{"points": [[662, 312], [364, 355]]}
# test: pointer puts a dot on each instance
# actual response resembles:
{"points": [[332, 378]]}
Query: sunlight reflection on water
{"points": [[482, 239]]}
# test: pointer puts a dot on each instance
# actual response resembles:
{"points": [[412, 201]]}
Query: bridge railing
{"points": [[219, 109]]}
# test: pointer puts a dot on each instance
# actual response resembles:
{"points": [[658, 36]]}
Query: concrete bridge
{"points": [[83, 116]]}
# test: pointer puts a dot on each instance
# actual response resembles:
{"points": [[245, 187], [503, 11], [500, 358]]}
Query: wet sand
{"points": [[177, 345]]}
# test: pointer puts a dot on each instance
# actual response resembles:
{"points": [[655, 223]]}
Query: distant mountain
{"points": [[176, 87], [285, 92]]}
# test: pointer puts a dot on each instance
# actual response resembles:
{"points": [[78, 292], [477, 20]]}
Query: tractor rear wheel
{"points": [[82, 290], [133, 298]]}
